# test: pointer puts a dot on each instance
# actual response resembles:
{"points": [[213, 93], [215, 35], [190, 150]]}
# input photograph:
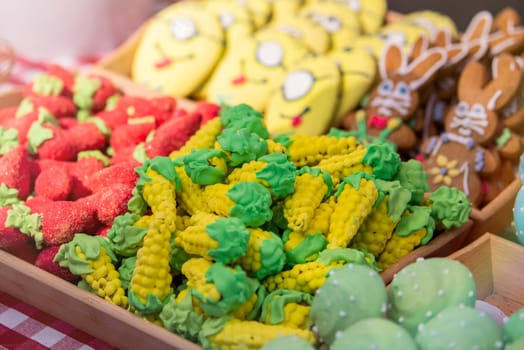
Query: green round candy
{"points": [[518, 345], [350, 293], [514, 327], [460, 327], [422, 289], [374, 333], [288, 342]]}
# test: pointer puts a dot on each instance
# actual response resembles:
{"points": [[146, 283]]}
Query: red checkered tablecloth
{"points": [[23, 326]]}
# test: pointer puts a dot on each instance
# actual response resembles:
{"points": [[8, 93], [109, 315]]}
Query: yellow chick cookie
{"points": [[315, 36], [179, 49], [371, 13], [307, 98]]}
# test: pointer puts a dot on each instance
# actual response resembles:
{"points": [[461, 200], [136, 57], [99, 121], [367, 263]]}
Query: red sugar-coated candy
{"points": [[109, 202], [14, 171], [11, 239], [130, 135], [54, 183], [86, 137], [45, 262], [121, 173]]}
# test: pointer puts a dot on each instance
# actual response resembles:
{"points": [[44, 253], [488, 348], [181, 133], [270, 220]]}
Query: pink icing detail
{"points": [[377, 121], [163, 63], [296, 121], [239, 80], [485, 188], [419, 157]]}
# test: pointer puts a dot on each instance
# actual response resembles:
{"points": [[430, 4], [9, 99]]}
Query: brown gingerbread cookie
{"points": [[394, 100], [513, 114], [508, 34], [467, 149]]}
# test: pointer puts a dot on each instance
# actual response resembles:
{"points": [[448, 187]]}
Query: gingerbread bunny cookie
{"points": [[513, 114], [396, 97], [508, 34], [463, 153]]}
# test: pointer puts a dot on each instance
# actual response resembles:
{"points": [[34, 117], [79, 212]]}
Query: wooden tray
{"points": [[497, 215], [496, 264]]}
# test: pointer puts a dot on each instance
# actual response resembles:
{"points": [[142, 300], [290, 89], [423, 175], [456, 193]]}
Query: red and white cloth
{"points": [[25, 327]]}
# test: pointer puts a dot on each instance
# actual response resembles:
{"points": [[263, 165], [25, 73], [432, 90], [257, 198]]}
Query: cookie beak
{"points": [[163, 63], [241, 79]]}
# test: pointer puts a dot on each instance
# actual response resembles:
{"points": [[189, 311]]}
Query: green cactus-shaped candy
{"points": [[350, 293], [518, 345], [374, 333], [513, 329], [460, 327], [422, 289], [288, 342]]}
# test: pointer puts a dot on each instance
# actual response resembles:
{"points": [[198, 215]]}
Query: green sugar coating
{"points": [[177, 257], [126, 269], [90, 247], [181, 318], [420, 218], [124, 238], [199, 169], [243, 145], [422, 289], [137, 205], [398, 197], [272, 256], [83, 91], [279, 173], [460, 327], [232, 237], [162, 165], [243, 116], [152, 306], [21, 217], [8, 196], [310, 246], [261, 293], [36, 136], [252, 203], [287, 342], [347, 255], [374, 333], [349, 294], [284, 139], [8, 140], [210, 327], [275, 302], [450, 206], [513, 329], [24, 107], [48, 85], [234, 287], [354, 181], [97, 154], [383, 159], [413, 177]]}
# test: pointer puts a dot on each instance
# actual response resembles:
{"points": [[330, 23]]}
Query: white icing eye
{"points": [[385, 87], [354, 5], [297, 85], [226, 19], [291, 31], [397, 38], [478, 110], [183, 28], [402, 90], [462, 109], [332, 24], [270, 54]]}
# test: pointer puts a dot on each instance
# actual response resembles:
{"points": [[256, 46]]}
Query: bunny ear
{"points": [[419, 46], [506, 19], [479, 27], [392, 60], [425, 66], [505, 83], [471, 81], [442, 38]]}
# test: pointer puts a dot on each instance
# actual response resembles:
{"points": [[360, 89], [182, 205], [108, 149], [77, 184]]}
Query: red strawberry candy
{"points": [[67, 77], [131, 134], [207, 110], [67, 123], [113, 118], [102, 231], [7, 113], [11, 239], [50, 142], [21, 124], [58, 106], [164, 103], [121, 173], [128, 154], [54, 183], [139, 107], [62, 219], [45, 262], [90, 92], [109, 202], [14, 171], [172, 135], [86, 136]]}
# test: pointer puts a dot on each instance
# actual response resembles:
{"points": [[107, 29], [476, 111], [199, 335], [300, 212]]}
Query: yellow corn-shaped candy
{"points": [[248, 201], [182, 221], [311, 187], [310, 276], [287, 308], [182, 316], [309, 150], [219, 289], [322, 217], [250, 310], [191, 195], [151, 282], [144, 221], [225, 240], [274, 171], [204, 166], [275, 147], [301, 247], [235, 334], [265, 254], [91, 257], [204, 137], [356, 196], [415, 228], [241, 145], [378, 226], [342, 165]]}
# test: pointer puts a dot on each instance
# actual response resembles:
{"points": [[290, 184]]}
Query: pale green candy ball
{"points": [[288, 342]]}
